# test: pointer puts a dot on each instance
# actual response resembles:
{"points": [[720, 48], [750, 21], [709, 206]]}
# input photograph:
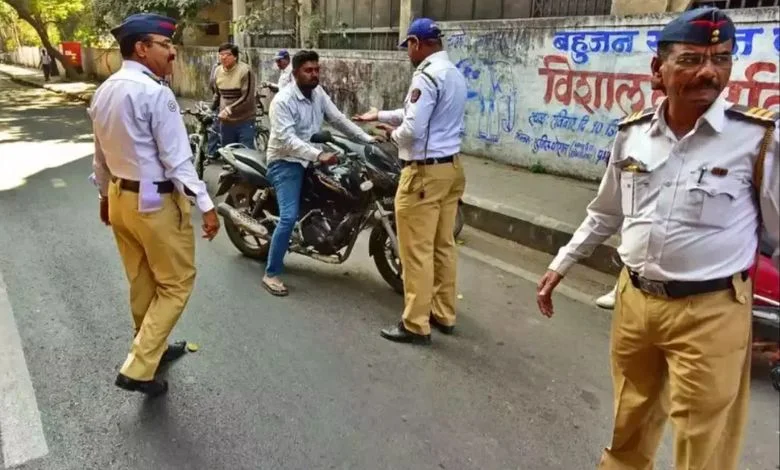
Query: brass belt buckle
{"points": [[656, 288]]}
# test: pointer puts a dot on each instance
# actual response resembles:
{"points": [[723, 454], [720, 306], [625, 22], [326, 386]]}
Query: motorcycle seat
{"points": [[253, 158]]}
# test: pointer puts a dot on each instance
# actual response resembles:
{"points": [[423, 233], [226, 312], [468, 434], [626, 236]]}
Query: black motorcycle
{"points": [[337, 203], [204, 117]]}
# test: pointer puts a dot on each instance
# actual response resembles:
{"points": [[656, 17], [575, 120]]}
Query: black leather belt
{"points": [[680, 289], [429, 161], [163, 187]]}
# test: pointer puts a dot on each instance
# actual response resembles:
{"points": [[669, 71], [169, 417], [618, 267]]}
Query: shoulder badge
{"points": [[636, 118], [762, 116]]}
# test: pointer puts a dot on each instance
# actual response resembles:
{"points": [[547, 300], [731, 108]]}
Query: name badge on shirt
{"points": [[149, 199]]}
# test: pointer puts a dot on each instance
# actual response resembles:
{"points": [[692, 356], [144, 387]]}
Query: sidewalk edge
{"points": [[534, 231], [33, 83]]}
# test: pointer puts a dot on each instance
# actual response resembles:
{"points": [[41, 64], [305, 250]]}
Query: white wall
{"points": [[550, 92]]}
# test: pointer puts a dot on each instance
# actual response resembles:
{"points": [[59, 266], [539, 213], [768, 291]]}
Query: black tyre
{"points": [[247, 244], [196, 146], [775, 374], [389, 267]]}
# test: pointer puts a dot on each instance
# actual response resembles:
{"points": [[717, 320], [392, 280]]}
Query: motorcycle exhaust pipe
{"points": [[242, 220]]}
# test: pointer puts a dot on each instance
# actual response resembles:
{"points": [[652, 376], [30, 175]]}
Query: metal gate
{"points": [[733, 4], [551, 8]]}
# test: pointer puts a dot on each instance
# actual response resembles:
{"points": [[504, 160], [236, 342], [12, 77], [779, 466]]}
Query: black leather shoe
{"points": [[444, 329], [153, 388], [400, 334], [174, 351]]}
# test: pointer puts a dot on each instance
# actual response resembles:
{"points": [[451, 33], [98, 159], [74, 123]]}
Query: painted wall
{"points": [[542, 93], [551, 92]]}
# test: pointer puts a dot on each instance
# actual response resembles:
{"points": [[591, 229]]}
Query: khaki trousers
{"points": [[158, 253], [426, 242], [688, 359]]}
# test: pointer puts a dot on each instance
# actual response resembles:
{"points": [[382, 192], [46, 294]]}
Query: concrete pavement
{"points": [[303, 382], [537, 210]]}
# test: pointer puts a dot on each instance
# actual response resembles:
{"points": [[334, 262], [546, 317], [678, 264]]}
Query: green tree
{"points": [[109, 13], [41, 14]]}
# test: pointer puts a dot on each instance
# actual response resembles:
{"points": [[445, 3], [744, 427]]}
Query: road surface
{"points": [[303, 382]]}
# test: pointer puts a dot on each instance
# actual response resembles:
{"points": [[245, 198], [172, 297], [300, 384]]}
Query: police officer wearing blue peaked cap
{"points": [[428, 135], [687, 185], [143, 170]]}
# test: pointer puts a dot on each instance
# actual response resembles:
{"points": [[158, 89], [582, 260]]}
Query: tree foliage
{"points": [[42, 15], [109, 13]]}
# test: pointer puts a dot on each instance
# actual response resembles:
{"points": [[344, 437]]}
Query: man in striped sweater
{"points": [[234, 96]]}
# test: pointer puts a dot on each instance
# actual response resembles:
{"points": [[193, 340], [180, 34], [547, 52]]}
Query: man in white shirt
{"points": [[296, 114], [432, 181], [143, 171], [282, 59], [689, 183]]}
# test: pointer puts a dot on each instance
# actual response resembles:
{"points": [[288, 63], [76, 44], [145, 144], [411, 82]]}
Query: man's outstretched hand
{"points": [[544, 291], [387, 129], [370, 115]]}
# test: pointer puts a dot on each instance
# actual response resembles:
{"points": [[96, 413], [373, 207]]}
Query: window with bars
{"points": [[733, 4], [555, 8]]}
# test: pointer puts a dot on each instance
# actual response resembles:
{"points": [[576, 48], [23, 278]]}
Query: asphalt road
{"points": [[303, 382]]}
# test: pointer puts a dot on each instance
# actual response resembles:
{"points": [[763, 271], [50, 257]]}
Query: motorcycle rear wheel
{"points": [[240, 238], [389, 267]]}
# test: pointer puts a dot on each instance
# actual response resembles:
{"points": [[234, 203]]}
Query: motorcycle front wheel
{"points": [[380, 248], [249, 245]]}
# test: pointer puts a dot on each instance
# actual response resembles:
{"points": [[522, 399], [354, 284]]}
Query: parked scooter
{"points": [[766, 314]]}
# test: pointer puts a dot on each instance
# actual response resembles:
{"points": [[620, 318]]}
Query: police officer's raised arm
{"points": [[603, 219], [341, 122], [422, 99], [394, 117], [770, 194], [174, 148]]}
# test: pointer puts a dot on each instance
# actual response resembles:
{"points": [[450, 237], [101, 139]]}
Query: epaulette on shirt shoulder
{"points": [[636, 118], [761, 116]]}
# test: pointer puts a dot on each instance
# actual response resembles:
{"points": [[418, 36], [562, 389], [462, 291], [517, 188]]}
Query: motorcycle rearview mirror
{"points": [[321, 137]]}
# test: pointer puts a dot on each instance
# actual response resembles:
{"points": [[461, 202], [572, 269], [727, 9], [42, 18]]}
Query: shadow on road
{"points": [[32, 114]]}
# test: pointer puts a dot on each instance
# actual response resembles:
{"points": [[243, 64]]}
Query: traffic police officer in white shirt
{"points": [[282, 59], [432, 181], [143, 171], [689, 182]]}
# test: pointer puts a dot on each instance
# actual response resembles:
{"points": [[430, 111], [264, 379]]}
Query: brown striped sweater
{"points": [[235, 90]]}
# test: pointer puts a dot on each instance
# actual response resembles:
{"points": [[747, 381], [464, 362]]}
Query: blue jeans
{"points": [[287, 178], [238, 132]]}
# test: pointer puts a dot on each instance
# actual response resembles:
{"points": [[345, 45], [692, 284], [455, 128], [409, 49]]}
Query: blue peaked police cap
{"points": [[703, 26], [420, 29], [282, 54], [145, 23]]}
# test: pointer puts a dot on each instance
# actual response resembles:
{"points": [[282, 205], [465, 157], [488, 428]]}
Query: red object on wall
{"points": [[72, 50]]}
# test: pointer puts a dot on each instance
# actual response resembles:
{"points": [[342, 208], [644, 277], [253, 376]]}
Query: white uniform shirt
{"points": [[140, 135], [691, 214], [285, 78], [422, 114], [295, 118]]}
